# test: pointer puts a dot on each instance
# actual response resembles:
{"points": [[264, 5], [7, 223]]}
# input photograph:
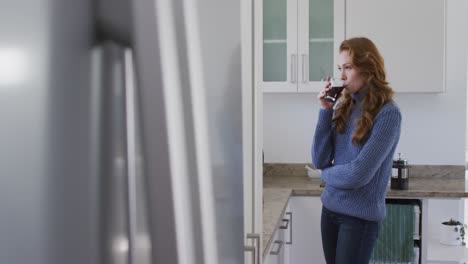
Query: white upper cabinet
{"points": [[276, 45], [320, 32], [296, 43], [411, 36]]}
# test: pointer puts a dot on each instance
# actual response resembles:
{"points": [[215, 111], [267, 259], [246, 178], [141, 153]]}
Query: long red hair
{"points": [[370, 64]]}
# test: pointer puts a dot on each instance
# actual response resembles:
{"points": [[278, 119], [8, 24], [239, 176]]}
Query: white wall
{"points": [[433, 128]]}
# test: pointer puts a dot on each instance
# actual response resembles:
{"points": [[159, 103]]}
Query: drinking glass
{"points": [[336, 88]]}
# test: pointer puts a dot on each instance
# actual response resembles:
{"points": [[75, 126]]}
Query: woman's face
{"points": [[353, 81]]}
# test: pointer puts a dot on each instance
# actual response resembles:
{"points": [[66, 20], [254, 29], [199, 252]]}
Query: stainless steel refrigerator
{"points": [[121, 132]]}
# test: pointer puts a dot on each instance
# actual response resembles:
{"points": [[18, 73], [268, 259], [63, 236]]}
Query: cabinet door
{"points": [[276, 45], [411, 36], [321, 26], [307, 239]]}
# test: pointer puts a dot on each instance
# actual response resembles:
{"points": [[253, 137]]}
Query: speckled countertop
{"points": [[277, 190]]}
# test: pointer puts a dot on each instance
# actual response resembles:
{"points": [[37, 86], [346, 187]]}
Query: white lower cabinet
{"points": [[298, 239], [280, 249], [307, 240]]}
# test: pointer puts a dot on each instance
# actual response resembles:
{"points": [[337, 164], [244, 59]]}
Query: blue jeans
{"points": [[347, 239]]}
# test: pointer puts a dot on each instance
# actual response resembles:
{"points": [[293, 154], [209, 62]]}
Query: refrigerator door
{"points": [[189, 82], [47, 195]]}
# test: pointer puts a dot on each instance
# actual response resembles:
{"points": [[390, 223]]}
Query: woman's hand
{"points": [[321, 96]]}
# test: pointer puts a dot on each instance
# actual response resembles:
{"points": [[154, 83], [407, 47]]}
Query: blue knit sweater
{"points": [[356, 175]]}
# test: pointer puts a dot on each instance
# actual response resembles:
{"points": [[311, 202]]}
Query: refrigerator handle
{"points": [[256, 238], [114, 240], [130, 118], [253, 250], [139, 246]]}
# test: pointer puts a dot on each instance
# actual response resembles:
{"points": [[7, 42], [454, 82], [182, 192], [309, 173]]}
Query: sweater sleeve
{"points": [[384, 135], [322, 146]]}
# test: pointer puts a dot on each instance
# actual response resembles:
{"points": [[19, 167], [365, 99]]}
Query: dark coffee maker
{"points": [[400, 174]]}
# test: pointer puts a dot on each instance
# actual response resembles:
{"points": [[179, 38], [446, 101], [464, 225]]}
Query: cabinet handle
{"points": [[290, 229], [256, 238], [280, 245], [304, 68], [286, 225], [253, 250], [293, 72]]}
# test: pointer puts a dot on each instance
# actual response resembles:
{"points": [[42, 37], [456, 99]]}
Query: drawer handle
{"points": [[280, 245], [285, 226], [290, 229]]}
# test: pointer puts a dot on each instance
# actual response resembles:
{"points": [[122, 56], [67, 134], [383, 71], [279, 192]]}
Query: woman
{"points": [[353, 145]]}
